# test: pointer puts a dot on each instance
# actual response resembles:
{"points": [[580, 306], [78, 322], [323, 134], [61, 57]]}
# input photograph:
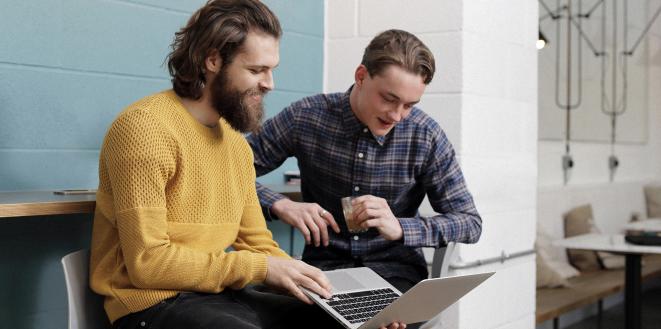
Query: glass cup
{"points": [[347, 209]]}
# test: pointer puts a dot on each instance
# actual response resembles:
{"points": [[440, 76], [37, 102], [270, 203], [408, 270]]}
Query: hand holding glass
{"points": [[347, 209]]}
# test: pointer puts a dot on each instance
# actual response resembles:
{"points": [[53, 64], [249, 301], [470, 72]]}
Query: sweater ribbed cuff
{"points": [[259, 267]]}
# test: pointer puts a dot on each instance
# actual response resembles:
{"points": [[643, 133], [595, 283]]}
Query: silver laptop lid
{"points": [[426, 299], [421, 303]]}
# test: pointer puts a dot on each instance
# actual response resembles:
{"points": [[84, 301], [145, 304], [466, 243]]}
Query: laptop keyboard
{"points": [[361, 306]]}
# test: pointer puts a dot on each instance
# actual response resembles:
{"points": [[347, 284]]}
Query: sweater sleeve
{"points": [[141, 159], [253, 233]]}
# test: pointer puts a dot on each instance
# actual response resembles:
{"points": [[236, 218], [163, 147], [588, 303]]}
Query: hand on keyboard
{"points": [[291, 275]]}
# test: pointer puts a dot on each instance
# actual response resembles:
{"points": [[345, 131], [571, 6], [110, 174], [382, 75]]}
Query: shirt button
{"points": [[143, 324], [356, 188], [360, 155], [355, 237], [364, 130]]}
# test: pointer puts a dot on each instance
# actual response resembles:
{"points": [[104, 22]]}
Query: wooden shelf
{"points": [[41, 203]]}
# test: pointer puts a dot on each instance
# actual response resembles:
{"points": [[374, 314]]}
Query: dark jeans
{"points": [[253, 307]]}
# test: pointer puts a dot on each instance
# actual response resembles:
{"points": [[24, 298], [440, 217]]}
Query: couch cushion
{"points": [[579, 221], [551, 271], [547, 277], [653, 200]]}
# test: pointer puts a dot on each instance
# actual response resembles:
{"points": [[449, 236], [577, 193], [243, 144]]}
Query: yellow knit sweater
{"points": [[173, 196]]}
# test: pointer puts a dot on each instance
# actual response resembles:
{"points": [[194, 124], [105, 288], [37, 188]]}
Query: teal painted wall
{"points": [[67, 68]]}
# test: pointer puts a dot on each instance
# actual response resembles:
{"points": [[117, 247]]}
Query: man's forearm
{"points": [[437, 231]]}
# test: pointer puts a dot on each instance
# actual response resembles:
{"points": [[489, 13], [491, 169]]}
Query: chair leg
{"points": [[600, 311], [556, 323]]}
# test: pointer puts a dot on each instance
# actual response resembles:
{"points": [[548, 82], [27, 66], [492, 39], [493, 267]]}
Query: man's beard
{"points": [[231, 106]]}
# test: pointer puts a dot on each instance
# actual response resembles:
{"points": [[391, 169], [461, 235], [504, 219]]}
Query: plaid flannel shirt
{"points": [[338, 156]]}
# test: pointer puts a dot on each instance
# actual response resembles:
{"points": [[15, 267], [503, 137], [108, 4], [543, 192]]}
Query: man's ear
{"points": [[360, 75], [213, 62]]}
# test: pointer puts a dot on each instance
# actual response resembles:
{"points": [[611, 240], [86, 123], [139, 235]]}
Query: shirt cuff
{"points": [[266, 199], [413, 231]]}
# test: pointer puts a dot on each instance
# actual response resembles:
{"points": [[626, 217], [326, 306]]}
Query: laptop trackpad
{"points": [[343, 281]]}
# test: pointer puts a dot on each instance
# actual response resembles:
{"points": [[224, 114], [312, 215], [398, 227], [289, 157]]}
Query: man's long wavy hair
{"points": [[220, 25], [400, 48]]}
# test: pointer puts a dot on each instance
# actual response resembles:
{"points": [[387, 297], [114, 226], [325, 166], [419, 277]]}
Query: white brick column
{"points": [[484, 95], [654, 67]]}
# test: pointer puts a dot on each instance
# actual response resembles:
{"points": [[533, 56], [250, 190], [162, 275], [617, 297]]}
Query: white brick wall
{"points": [[344, 11], [510, 122], [484, 95], [447, 49], [421, 16], [342, 58], [445, 108], [654, 97]]}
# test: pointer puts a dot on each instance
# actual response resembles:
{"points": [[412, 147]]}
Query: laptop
{"points": [[363, 299]]}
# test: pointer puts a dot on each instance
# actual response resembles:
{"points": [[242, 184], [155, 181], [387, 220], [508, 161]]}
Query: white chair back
{"points": [[85, 307]]}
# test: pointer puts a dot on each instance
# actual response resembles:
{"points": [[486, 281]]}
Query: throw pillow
{"points": [[579, 221], [653, 200], [546, 276], [553, 255]]}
